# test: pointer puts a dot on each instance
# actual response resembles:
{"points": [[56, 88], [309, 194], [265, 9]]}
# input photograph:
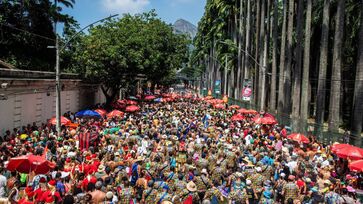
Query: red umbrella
{"points": [[338, 146], [219, 106], [356, 165], [131, 102], [351, 152], [29, 163], [298, 138], [245, 111], [237, 117], [264, 120], [132, 108], [115, 113], [64, 121], [149, 98], [102, 112], [234, 107]]}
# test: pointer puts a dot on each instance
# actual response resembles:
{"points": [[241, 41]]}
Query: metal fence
{"points": [[296, 124]]}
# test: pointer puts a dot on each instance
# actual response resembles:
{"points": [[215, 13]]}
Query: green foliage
{"points": [[120, 49], [26, 29]]}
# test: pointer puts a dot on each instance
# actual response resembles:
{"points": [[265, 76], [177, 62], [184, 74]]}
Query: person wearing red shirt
{"points": [[90, 178], [29, 199], [51, 193]]}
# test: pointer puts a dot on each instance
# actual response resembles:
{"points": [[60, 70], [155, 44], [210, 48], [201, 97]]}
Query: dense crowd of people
{"points": [[184, 151]]}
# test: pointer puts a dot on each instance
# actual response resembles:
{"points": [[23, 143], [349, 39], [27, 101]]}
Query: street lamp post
{"points": [[57, 68]]}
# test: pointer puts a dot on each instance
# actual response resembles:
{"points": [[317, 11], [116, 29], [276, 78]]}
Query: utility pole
{"points": [[57, 79]]}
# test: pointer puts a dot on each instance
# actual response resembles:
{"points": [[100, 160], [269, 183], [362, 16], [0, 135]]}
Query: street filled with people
{"points": [[175, 148]]}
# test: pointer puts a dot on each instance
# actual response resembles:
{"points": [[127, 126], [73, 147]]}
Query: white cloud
{"points": [[125, 6]]}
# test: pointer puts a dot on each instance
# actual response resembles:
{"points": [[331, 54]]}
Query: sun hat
{"points": [[283, 175], [248, 182], [52, 183], [239, 174], [258, 169], [291, 177], [101, 168], [327, 182], [204, 171], [350, 189], [191, 186], [109, 195]]}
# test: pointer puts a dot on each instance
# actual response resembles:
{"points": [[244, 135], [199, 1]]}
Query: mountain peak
{"points": [[182, 26]]}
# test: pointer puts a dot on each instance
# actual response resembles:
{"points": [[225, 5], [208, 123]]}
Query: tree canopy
{"points": [[26, 29], [114, 52]]}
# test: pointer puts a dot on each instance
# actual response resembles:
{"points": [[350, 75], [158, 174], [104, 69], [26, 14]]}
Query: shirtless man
{"points": [[97, 195]]}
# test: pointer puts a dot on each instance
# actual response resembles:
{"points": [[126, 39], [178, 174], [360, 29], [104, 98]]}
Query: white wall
{"points": [[23, 109]]}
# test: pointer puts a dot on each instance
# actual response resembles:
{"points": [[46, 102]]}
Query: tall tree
{"points": [[334, 105], [321, 93], [297, 70], [288, 66], [274, 57], [257, 49], [357, 118], [261, 81], [240, 57], [281, 96], [248, 40], [265, 56], [306, 67]]}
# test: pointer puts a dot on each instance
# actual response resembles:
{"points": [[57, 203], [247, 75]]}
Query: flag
{"points": [[84, 139]]}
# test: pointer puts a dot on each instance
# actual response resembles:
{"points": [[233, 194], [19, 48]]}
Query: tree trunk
{"points": [[261, 61], [334, 105], [257, 50], [281, 96], [320, 102], [237, 89], [297, 71], [265, 56], [357, 111], [225, 76], [305, 81], [287, 72], [274, 58], [248, 40]]}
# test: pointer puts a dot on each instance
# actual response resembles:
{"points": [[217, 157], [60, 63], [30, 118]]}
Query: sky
{"points": [[89, 11]]}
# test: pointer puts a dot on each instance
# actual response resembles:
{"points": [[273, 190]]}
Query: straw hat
{"points": [[139, 158], [166, 202], [191, 186], [175, 138], [101, 168], [204, 171], [239, 174], [164, 137], [223, 139]]}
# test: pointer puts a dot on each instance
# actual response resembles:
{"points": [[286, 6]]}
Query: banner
{"points": [[247, 90], [217, 87]]}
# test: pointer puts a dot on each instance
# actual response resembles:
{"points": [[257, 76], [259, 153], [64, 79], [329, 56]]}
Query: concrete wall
{"points": [[34, 101]]}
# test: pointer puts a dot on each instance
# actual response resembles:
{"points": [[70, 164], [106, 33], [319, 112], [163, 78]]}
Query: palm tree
{"points": [[261, 61], [265, 57], [357, 118], [274, 58], [240, 57], [287, 71], [297, 71], [281, 96], [248, 40], [320, 103], [306, 67], [257, 50], [334, 107]]}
